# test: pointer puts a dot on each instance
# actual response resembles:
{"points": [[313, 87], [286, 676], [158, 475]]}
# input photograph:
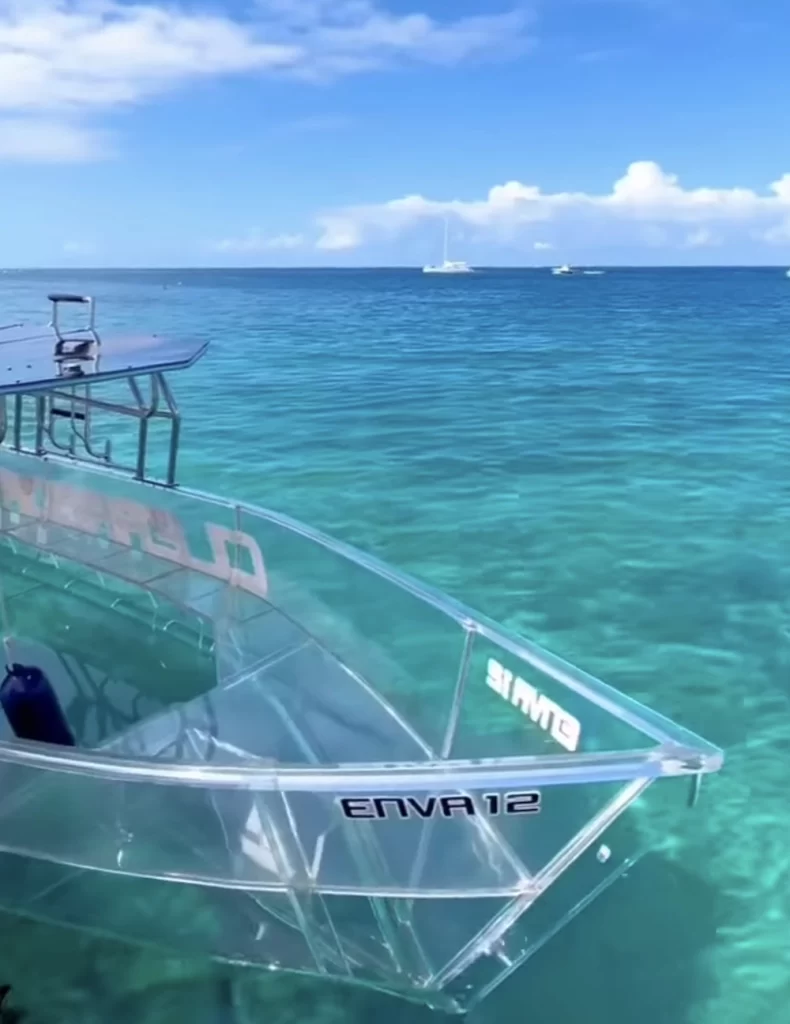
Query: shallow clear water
{"points": [[599, 462]]}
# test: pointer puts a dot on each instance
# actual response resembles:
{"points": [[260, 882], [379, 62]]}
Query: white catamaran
{"points": [[447, 266]]}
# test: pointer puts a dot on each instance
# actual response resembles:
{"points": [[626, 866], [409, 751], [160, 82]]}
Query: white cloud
{"points": [[256, 242], [702, 238], [541, 246], [37, 140], [85, 54], [93, 54], [647, 201], [341, 232], [71, 59], [344, 36], [779, 234]]}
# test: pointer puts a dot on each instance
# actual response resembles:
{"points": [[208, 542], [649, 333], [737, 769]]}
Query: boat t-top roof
{"points": [[38, 359], [58, 370]]}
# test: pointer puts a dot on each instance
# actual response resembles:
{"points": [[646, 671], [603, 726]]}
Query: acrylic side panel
{"points": [[136, 543], [514, 708], [188, 920], [381, 637], [651, 818]]}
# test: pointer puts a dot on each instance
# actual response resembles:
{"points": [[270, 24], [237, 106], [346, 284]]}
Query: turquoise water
{"points": [[598, 462]]}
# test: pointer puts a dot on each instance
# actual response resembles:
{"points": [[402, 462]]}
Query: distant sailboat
{"points": [[447, 266]]}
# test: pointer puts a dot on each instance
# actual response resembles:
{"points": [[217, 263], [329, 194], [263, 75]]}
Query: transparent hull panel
{"points": [[291, 756]]}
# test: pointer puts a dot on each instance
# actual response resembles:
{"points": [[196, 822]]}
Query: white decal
{"points": [[157, 531], [561, 725], [255, 844]]}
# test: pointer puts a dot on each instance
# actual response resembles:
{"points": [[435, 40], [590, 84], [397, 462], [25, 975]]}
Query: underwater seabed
{"points": [[269, 726]]}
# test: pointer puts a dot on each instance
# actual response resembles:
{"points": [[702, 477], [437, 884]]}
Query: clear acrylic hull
{"points": [[291, 756]]}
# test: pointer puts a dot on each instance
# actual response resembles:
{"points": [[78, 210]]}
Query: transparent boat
{"points": [[287, 754]]}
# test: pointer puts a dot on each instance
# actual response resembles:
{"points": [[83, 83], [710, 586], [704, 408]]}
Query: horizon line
{"points": [[393, 266]]}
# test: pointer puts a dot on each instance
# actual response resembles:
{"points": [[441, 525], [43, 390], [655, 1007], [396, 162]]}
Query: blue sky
{"points": [[344, 132]]}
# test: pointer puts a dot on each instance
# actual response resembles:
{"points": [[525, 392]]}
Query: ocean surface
{"points": [[601, 463]]}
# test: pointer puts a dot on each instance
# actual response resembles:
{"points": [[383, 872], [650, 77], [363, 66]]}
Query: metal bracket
{"points": [[75, 347]]}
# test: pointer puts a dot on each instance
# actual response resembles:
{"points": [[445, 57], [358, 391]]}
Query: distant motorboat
{"points": [[447, 266], [567, 271]]}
